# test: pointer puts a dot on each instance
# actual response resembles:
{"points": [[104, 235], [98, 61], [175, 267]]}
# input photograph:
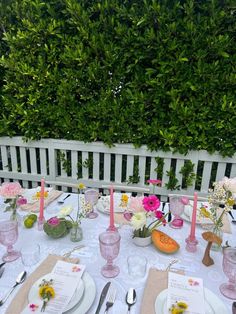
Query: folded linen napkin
{"points": [[20, 301], [34, 207], [157, 281]]}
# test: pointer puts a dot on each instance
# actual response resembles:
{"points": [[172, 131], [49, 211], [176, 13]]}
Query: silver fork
{"points": [[110, 299], [172, 262]]}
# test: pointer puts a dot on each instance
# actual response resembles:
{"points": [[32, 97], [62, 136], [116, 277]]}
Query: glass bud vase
{"points": [[217, 231], [76, 232]]}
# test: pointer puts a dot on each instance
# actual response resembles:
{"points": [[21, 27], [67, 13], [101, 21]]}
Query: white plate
{"points": [[213, 305], [82, 298], [103, 204], [30, 194], [187, 215]]}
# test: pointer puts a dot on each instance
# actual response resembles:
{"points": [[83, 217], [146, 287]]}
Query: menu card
{"points": [[66, 277], [188, 290]]}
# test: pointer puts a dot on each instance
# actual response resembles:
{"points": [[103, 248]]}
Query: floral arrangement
{"points": [[46, 292], [12, 192], [141, 210], [221, 196], [66, 212]]}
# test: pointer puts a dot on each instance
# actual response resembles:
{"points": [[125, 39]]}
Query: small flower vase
{"points": [[217, 231], [142, 241], [76, 232]]}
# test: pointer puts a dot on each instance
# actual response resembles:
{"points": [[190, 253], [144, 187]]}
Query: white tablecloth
{"points": [[213, 276]]}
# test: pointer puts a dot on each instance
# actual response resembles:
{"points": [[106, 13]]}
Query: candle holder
{"points": [[112, 228], [191, 245], [41, 222]]}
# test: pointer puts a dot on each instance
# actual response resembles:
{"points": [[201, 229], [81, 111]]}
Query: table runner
{"points": [[20, 300]]}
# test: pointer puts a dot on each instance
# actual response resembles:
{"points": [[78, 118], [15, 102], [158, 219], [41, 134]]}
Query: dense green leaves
{"points": [[160, 73]]}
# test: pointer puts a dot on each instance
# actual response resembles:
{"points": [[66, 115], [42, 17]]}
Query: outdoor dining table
{"points": [[90, 256]]}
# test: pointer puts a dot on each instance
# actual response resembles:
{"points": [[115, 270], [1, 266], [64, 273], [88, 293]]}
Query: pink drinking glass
{"points": [[8, 236], [109, 247], [91, 197], [176, 208], [229, 268]]}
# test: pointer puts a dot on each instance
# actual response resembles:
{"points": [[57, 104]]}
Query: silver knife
{"points": [[103, 296]]}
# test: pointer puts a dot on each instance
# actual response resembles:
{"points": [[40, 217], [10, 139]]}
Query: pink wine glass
{"points": [[91, 197], [109, 247], [8, 236], [176, 208], [229, 268]]}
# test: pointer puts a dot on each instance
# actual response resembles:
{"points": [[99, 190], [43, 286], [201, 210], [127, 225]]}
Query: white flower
{"points": [[65, 211], [138, 220]]}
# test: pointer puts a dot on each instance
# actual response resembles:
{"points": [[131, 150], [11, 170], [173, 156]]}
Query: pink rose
{"points": [[10, 189], [54, 221], [21, 201], [158, 214], [184, 200], [136, 204]]}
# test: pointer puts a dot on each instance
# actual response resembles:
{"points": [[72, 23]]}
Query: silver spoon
{"points": [[63, 200], [20, 278], [130, 298]]}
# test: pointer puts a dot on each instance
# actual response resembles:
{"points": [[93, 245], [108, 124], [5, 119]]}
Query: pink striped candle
{"points": [[194, 217], [41, 204]]}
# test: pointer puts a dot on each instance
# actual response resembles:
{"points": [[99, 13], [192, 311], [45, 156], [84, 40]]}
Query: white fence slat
{"points": [[153, 173], [179, 165], [85, 173], [96, 166], [33, 160], [4, 158], [233, 171], [142, 167], [13, 159], [129, 167], [107, 167], [118, 168], [166, 167], [206, 175], [64, 158], [220, 171], [23, 160], [43, 161], [74, 164], [191, 189]]}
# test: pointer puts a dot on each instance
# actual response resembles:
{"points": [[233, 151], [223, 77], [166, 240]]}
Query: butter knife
{"points": [[103, 296]]}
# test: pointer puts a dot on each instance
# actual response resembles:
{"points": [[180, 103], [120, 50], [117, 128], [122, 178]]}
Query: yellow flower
{"points": [[204, 212], [182, 305], [124, 198], [81, 186], [230, 201], [38, 194]]}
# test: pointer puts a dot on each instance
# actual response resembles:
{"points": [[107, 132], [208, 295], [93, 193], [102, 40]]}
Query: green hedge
{"points": [[160, 73]]}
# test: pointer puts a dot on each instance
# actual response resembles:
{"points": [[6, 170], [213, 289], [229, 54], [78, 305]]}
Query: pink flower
{"points": [[54, 221], [154, 181], [184, 200], [10, 189], [151, 203], [21, 201], [136, 204], [158, 214]]}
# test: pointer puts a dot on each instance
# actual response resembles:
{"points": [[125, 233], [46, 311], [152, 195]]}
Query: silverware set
{"points": [[110, 292]]}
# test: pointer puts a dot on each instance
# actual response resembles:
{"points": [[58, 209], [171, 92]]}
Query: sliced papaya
{"points": [[164, 243]]}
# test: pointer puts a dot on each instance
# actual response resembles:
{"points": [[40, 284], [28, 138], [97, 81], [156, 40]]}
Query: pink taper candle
{"points": [[112, 226], [194, 217], [41, 204]]}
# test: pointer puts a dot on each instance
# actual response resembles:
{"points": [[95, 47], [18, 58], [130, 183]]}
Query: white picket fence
{"points": [[65, 163]]}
